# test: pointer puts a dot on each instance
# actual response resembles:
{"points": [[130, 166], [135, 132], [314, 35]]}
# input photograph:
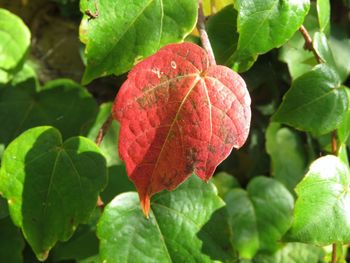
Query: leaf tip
{"points": [[145, 204]]}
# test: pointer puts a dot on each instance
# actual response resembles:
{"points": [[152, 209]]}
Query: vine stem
{"points": [[309, 46], [99, 138], [104, 129], [308, 43], [334, 253], [203, 34]]}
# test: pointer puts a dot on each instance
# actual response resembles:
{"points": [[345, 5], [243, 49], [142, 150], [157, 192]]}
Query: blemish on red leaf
{"points": [[179, 115]]}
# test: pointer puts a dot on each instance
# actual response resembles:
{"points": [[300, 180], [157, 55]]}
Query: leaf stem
{"points": [[203, 34], [334, 253], [308, 43], [334, 142], [104, 129], [101, 134], [309, 46]]}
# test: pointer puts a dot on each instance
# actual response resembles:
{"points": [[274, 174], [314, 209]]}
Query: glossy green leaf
{"points": [[264, 25], [288, 158], [324, 13], [316, 102], [11, 242], [223, 35], [14, 44], [298, 59], [259, 216], [109, 145], [292, 253], [51, 186], [343, 130], [60, 103], [323, 49], [127, 31], [321, 214], [187, 225], [224, 182]]}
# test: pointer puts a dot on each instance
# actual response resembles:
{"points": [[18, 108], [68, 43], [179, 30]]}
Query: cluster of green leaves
{"points": [[284, 205]]}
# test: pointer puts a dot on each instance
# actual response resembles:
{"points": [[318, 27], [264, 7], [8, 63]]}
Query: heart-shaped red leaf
{"points": [[179, 115]]}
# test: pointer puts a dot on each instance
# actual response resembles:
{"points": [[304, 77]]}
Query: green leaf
{"points": [[324, 13], [223, 35], [51, 186], [288, 158], [26, 77], [323, 49], [60, 103], [212, 6], [292, 253], [187, 225], [343, 130], [264, 25], [259, 216], [3, 208], [321, 214], [127, 31], [14, 44], [316, 102], [224, 182], [82, 245], [339, 43], [298, 59], [11, 242], [109, 145], [118, 182]]}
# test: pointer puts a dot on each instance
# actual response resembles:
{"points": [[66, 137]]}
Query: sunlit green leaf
{"points": [[264, 25], [127, 31], [51, 186], [188, 224], [321, 214], [316, 102], [259, 216], [288, 158], [60, 103], [14, 44]]}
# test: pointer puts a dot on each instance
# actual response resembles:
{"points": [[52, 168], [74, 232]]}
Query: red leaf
{"points": [[179, 115]]}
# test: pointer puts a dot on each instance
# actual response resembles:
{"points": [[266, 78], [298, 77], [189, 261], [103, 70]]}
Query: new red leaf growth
{"points": [[179, 116]]}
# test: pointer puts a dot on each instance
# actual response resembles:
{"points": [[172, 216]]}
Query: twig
{"points": [[101, 134], [334, 143], [308, 43], [104, 129], [203, 34], [100, 204], [309, 46], [334, 253]]}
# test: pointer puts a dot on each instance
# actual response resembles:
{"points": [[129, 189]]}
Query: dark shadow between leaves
{"points": [[216, 237]]}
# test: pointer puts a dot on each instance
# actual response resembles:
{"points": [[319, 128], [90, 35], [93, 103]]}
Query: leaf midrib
{"points": [[333, 90], [194, 84]]}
